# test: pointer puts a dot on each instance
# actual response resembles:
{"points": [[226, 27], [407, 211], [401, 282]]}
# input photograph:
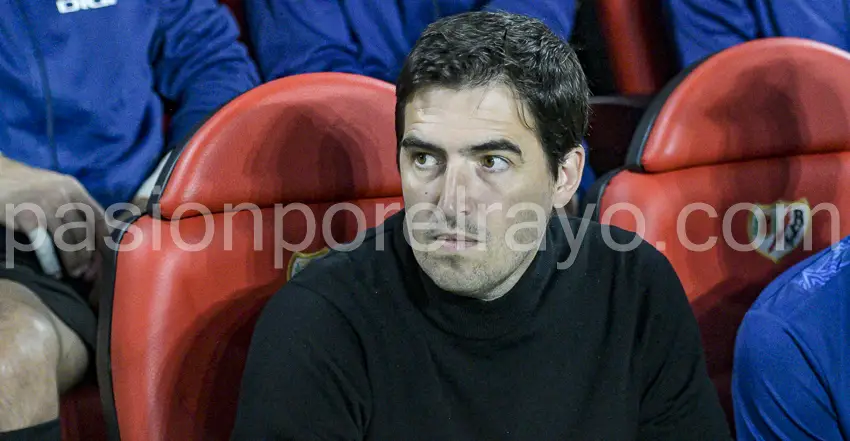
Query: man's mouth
{"points": [[455, 241]]}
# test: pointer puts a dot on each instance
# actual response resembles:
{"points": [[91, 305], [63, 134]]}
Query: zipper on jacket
{"points": [[45, 87]]}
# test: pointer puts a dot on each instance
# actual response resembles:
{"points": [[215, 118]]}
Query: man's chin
{"points": [[460, 284], [454, 271]]}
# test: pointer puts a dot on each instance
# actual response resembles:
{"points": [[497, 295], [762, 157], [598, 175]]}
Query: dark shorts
{"points": [[66, 297]]}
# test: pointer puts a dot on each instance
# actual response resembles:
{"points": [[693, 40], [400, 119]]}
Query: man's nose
{"points": [[453, 199]]}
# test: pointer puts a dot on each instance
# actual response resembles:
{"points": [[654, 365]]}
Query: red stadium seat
{"points": [[175, 330], [761, 124], [641, 55]]}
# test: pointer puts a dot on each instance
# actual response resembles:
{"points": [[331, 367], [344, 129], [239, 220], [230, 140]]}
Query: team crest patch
{"points": [[299, 261], [783, 227]]}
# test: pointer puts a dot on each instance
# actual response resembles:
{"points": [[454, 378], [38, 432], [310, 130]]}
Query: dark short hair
{"points": [[477, 49]]}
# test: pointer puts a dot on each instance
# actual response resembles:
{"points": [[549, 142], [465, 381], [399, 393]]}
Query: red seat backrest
{"points": [[758, 124], [639, 49], [188, 287]]}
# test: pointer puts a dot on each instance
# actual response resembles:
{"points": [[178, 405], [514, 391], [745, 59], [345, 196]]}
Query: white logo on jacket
{"points": [[68, 6]]}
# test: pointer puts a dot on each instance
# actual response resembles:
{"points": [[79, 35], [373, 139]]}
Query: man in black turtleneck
{"points": [[474, 314]]}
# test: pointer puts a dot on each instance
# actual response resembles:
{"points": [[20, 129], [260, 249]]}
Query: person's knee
{"points": [[29, 356]]}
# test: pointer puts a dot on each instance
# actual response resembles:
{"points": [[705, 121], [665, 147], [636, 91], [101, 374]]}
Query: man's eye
{"points": [[494, 163], [424, 160]]}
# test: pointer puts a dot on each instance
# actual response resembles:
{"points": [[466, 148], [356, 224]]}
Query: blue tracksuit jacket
{"points": [[83, 83], [703, 27], [791, 379], [366, 37]]}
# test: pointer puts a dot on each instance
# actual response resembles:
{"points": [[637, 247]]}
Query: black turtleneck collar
{"points": [[473, 318]]}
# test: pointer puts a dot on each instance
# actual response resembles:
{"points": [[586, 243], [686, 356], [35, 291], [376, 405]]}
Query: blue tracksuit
{"points": [[83, 83], [703, 27], [367, 37], [791, 378]]}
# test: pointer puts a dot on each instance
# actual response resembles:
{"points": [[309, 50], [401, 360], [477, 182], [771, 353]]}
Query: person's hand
{"points": [[33, 199]]}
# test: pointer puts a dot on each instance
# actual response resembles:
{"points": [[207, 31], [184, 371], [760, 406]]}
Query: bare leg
{"points": [[40, 357]]}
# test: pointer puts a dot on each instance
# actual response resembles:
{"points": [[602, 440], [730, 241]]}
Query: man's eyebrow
{"points": [[500, 145], [412, 142]]}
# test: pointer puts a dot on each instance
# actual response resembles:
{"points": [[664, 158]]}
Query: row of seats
{"points": [[644, 143], [175, 325]]}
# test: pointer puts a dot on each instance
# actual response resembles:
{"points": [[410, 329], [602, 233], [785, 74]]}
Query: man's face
{"points": [[477, 187]]}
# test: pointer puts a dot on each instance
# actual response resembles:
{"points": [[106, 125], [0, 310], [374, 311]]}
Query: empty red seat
{"points": [[639, 50], [188, 287], [760, 126]]}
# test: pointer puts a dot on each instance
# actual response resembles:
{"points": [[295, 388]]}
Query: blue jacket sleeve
{"points": [[703, 27], [559, 15], [199, 64], [776, 386], [293, 37]]}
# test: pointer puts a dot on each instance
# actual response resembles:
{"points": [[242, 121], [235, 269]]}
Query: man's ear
{"points": [[569, 176]]}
